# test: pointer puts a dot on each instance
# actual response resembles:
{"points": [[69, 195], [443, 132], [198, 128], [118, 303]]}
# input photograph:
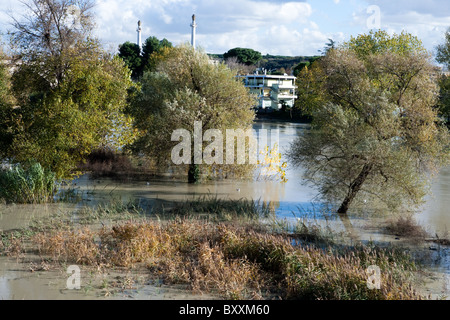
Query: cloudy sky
{"points": [[269, 26]]}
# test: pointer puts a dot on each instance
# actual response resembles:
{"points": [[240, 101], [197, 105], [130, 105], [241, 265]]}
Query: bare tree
{"points": [[50, 27], [240, 68], [50, 33]]}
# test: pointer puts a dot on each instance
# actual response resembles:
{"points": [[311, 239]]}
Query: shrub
{"points": [[104, 162], [405, 227]]}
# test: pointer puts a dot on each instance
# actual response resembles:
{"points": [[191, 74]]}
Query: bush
{"points": [[405, 227], [105, 162], [32, 184]]}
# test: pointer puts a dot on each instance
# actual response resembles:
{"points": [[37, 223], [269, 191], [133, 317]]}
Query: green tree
{"points": [[309, 94], [153, 44], [7, 104], [245, 55], [330, 45], [300, 67], [154, 47], [131, 55], [67, 101], [443, 51], [59, 126], [185, 88], [443, 56], [139, 61], [49, 28], [444, 97], [375, 134]]}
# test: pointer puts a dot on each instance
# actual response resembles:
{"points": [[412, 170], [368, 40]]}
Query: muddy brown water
{"points": [[290, 200]]}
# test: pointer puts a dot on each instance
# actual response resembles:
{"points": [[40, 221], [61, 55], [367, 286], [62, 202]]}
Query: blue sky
{"points": [[273, 27]]}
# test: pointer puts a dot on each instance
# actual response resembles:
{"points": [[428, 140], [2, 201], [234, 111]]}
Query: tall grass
{"points": [[30, 184]]}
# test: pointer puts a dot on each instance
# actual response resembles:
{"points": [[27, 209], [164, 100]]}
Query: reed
{"points": [[30, 184]]}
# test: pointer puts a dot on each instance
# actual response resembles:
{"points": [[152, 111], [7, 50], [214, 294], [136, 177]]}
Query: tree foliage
{"points": [[443, 56], [378, 42], [309, 95], [139, 60], [443, 51], [59, 126], [49, 28], [245, 55], [444, 97], [67, 101], [7, 104], [153, 44], [131, 55], [187, 87], [375, 133]]}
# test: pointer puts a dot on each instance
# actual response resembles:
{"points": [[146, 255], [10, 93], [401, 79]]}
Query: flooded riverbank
{"points": [[290, 201]]}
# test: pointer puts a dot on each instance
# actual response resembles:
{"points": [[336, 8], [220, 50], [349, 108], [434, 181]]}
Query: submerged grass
{"points": [[213, 207], [115, 210]]}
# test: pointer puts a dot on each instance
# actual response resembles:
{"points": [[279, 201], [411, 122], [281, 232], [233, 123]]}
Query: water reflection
{"points": [[435, 214], [291, 200]]}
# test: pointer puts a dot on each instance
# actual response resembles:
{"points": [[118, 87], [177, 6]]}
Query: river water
{"points": [[290, 200]]}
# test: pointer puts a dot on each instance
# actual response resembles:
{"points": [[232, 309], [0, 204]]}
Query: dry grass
{"points": [[235, 261], [11, 245]]}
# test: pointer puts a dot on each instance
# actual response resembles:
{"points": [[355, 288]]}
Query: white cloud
{"points": [[222, 24], [269, 26], [427, 20]]}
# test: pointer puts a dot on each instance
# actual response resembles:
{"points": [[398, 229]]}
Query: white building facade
{"points": [[272, 91]]}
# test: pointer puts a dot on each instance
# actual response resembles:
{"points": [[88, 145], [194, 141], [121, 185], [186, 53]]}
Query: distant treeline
{"points": [[274, 63]]}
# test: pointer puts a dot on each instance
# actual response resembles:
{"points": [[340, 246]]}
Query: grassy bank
{"points": [[226, 256]]}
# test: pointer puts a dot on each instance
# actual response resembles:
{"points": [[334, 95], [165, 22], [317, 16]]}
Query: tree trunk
{"points": [[194, 173], [354, 188]]}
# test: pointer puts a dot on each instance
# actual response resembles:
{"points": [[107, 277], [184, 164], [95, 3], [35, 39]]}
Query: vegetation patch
{"points": [[30, 184], [216, 208], [406, 227], [231, 259], [107, 162]]}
